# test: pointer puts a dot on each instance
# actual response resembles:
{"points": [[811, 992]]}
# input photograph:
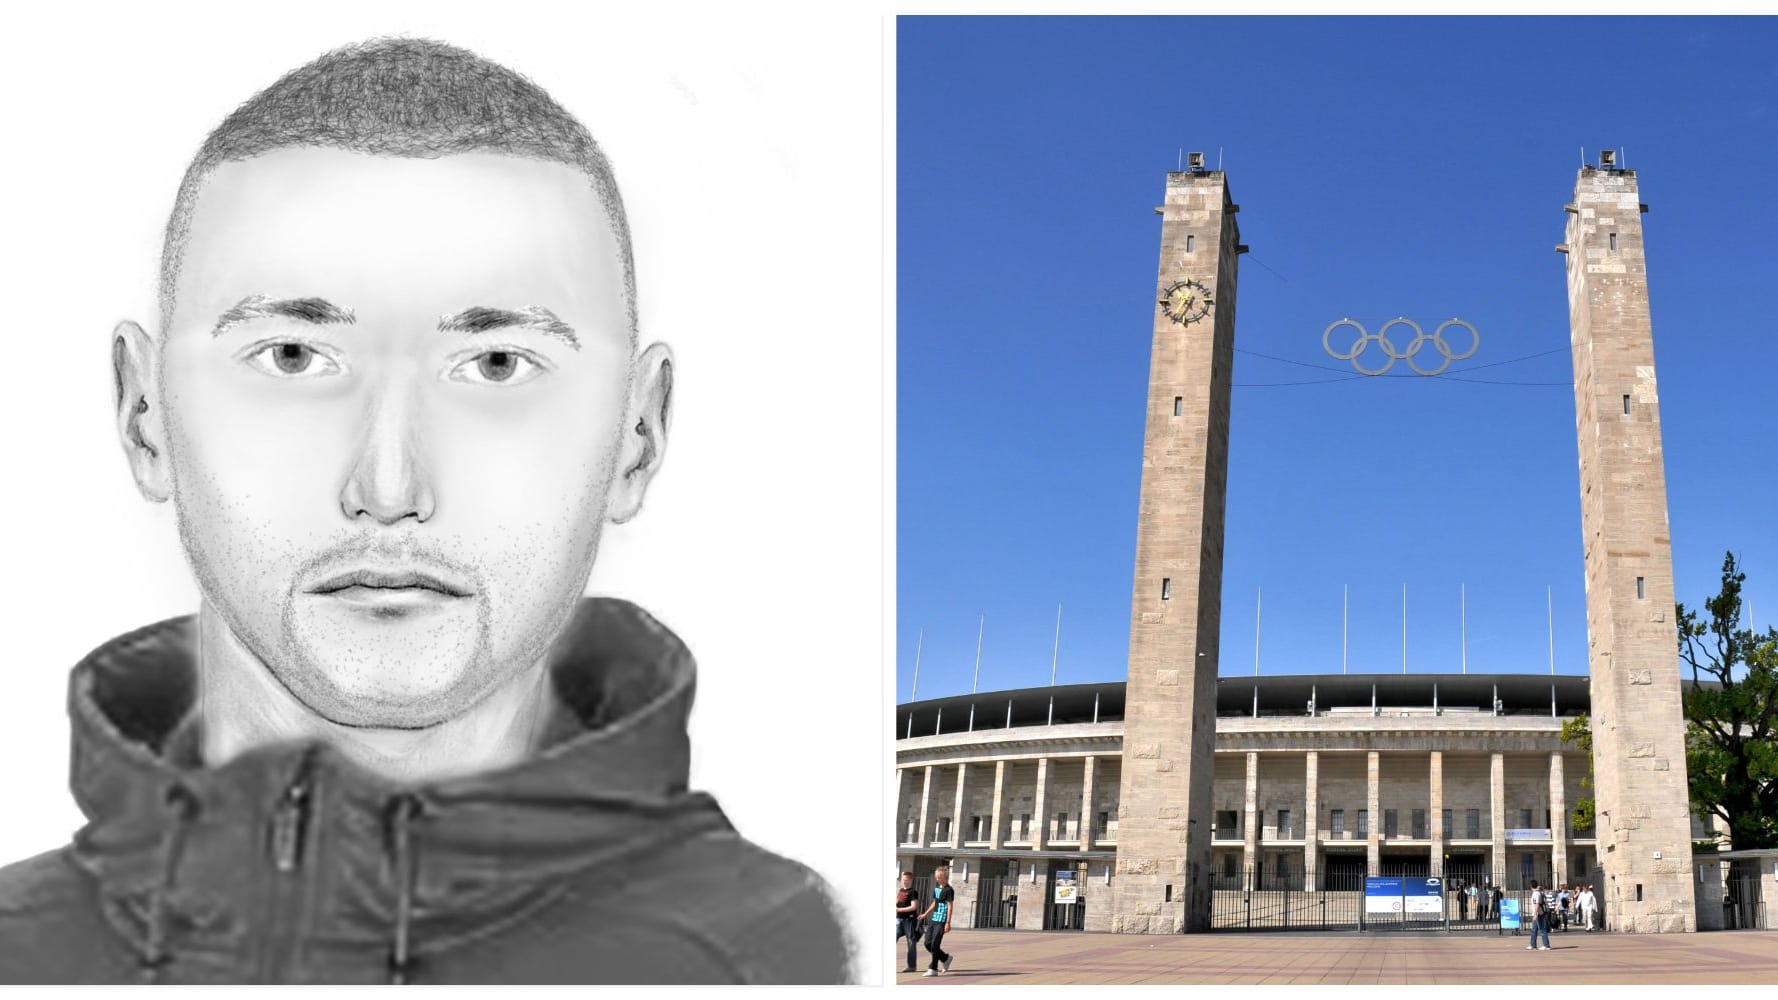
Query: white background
{"points": [[749, 149]]}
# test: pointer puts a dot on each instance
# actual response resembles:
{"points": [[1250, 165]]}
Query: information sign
{"points": [[1067, 890], [1382, 894], [1509, 914], [1423, 895]]}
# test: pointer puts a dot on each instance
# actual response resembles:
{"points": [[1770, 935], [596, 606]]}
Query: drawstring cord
{"points": [[184, 806], [402, 811]]}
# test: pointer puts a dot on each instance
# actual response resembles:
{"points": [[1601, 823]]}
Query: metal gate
{"points": [[996, 902], [1742, 898], [1257, 900], [1273, 901]]}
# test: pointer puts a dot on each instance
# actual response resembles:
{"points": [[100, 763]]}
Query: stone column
{"points": [[964, 904], [1437, 800], [904, 790], [924, 835], [1086, 806], [1168, 766], [1311, 820], [1373, 854], [1251, 822], [1558, 820], [999, 792], [957, 830], [1033, 898], [1638, 720], [1038, 835], [1497, 814]]}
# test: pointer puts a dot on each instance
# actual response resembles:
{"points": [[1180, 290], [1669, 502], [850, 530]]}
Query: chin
{"points": [[391, 671]]}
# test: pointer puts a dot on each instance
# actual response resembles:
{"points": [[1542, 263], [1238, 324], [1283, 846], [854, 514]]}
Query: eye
{"points": [[502, 366], [291, 359]]}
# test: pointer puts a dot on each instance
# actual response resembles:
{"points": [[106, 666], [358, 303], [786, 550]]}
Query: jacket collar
{"points": [[183, 853]]}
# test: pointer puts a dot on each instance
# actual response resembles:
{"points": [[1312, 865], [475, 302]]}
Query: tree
{"points": [[1731, 713], [1578, 732], [1731, 746]]}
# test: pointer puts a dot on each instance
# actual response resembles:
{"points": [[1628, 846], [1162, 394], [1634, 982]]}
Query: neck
{"points": [[242, 706]]}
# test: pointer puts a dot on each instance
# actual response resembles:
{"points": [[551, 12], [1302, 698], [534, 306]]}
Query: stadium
{"points": [[1320, 781]]}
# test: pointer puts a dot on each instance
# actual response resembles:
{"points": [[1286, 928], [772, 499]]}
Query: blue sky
{"points": [[1384, 167]]}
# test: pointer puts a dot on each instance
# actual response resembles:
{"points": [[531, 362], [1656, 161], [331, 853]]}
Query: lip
{"points": [[374, 582]]}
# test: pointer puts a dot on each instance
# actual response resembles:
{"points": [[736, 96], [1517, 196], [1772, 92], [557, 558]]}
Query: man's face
{"points": [[394, 391], [907, 882]]}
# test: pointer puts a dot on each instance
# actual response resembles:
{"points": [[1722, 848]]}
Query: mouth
{"points": [[367, 585]]}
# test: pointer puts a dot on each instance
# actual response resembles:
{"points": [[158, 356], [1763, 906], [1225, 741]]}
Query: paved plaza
{"points": [[1000, 957]]}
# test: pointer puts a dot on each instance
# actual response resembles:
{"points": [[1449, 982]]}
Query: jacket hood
{"points": [[185, 855]]}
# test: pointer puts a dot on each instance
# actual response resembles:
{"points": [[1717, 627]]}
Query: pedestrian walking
{"points": [[1565, 899], [1462, 901], [1540, 905], [1494, 902], [907, 916], [1588, 905], [938, 920], [1475, 902]]}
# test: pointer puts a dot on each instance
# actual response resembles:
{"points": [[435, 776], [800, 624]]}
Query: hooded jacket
{"points": [[590, 862]]}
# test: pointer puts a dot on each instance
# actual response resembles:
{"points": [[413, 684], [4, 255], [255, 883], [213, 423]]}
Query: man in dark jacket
{"points": [[907, 916], [396, 393]]}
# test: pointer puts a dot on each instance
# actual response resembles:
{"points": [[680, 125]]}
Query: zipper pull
{"points": [[292, 818]]}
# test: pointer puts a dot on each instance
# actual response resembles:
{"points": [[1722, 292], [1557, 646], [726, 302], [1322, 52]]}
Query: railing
{"points": [[1271, 900]]}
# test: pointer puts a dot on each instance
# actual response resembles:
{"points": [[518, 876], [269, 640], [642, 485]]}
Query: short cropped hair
{"points": [[404, 97]]}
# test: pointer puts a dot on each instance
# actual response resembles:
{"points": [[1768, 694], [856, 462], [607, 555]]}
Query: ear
{"points": [[644, 440], [135, 368]]}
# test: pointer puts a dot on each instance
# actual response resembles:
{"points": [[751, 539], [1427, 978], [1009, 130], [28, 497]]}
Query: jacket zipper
{"points": [[289, 835], [290, 823]]}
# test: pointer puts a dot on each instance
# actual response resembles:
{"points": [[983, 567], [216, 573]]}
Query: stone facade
{"points": [[1638, 725], [1177, 594], [1282, 814]]}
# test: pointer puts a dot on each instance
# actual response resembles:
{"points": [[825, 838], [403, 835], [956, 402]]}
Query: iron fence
{"points": [[1258, 900], [996, 903], [1737, 889]]}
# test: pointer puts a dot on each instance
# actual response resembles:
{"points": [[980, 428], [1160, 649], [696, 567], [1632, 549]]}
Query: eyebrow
{"points": [[480, 319], [307, 310]]}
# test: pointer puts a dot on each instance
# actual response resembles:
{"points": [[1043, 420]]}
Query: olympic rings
{"points": [[1381, 339]]}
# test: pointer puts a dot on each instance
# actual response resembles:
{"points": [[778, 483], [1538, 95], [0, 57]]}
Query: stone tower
{"points": [[1164, 814], [1644, 824]]}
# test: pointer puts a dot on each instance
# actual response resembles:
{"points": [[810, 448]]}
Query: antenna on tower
{"points": [[1219, 159], [1181, 164], [1583, 156]]}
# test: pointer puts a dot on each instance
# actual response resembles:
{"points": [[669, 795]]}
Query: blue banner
{"points": [[1509, 914], [1382, 885]]}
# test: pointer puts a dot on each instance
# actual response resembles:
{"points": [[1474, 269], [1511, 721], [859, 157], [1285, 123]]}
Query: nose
{"points": [[389, 481]]}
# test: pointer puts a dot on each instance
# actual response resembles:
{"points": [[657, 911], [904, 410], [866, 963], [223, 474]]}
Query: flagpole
{"points": [[980, 628], [1404, 628], [1258, 602], [1463, 623], [1550, 609], [1345, 609], [1054, 651], [914, 695], [978, 671]]}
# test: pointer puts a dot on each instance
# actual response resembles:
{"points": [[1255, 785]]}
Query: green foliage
{"points": [[1578, 733], [1731, 745]]}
